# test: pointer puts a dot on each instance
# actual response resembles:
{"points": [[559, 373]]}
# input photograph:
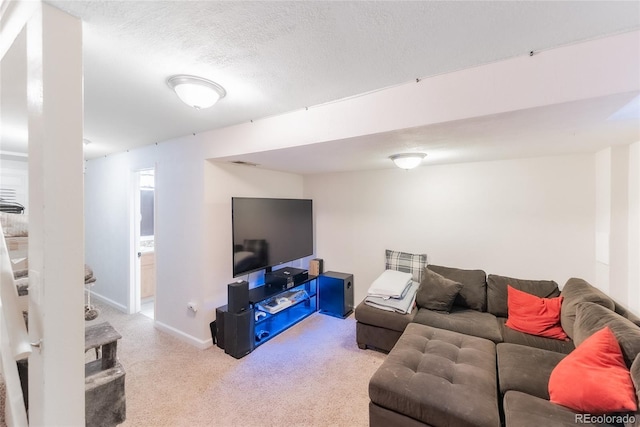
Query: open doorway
{"points": [[144, 246]]}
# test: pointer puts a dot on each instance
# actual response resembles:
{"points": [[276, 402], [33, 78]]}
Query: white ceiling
{"points": [[276, 57]]}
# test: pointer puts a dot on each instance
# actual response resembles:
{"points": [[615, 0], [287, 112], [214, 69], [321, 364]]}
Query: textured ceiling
{"points": [[276, 57]]}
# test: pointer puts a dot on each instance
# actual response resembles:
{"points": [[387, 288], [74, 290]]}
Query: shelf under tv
{"points": [[301, 302], [282, 301]]}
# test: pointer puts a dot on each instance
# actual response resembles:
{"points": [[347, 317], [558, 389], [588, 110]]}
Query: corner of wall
{"points": [[634, 228]]}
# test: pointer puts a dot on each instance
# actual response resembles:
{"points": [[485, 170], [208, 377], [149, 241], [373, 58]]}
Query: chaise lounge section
{"points": [[465, 367], [460, 367]]}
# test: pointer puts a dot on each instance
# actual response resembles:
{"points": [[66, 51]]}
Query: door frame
{"points": [[134, 242], [135, 284]]}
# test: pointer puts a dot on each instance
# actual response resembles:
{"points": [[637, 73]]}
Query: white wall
{"points": [[223, 181], [634, 228], [531, 219], [618, 220], [107, 224], [603, 217], [619, 237], [178, 230]]}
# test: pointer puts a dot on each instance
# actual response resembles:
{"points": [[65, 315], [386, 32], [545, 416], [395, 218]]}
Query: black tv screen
{"points": [[269, 232]]}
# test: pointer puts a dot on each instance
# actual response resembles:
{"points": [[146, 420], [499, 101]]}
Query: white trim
{"points": [[14, 16], [11, 155], [56, 231], [134, 242], [110, 302], [201, 344]]}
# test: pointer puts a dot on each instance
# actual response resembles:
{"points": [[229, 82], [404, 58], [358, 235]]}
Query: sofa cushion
{"points": [[382, 318], [526, 369], [594, 378], [534, 315], [406, 262], [463, 320], [576, 291], [622, 311], [474, 286], [591, 317], [440, 378], [516, 337], [524, 410], [635, 377], [436, 292], [497, 291]]}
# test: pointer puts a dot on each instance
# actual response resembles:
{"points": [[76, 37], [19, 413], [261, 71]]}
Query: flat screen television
{"points": [[269, 232]]}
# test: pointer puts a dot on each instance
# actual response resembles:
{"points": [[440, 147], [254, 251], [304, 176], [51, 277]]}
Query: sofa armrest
{"points": [[382, 318]]}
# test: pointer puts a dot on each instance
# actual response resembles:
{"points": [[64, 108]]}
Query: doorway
{"points": [[144, 243]]}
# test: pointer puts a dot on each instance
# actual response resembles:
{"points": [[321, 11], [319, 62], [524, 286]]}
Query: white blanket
{"points": [[399, 305], [390, 284]]}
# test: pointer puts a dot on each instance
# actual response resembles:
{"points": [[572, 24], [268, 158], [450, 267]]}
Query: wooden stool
{"points": [[104, 339]]}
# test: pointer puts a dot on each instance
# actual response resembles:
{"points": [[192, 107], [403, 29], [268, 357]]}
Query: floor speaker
{"points": [[219, 331], [336, 294], [238, 333], [238, 294]]}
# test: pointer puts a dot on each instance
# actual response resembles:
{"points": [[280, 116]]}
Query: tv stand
{"points": [[277, 308]]}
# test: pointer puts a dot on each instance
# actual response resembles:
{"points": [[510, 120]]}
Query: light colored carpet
{"points": [[310, 375]]}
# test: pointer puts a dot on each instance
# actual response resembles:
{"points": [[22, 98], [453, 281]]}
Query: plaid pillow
{"points": [[406, 262]]}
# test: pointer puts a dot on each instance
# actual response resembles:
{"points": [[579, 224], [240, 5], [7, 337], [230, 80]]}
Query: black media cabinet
{"points": [[273, 309]]}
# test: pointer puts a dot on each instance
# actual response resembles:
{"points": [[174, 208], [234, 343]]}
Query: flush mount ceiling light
{"points": [[195, 91], [407, 160]]}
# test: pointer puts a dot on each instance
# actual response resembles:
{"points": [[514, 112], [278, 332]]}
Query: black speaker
{"points": [[238, 294], [213, 328], [238, 333], [336, 294], [219, 331]]}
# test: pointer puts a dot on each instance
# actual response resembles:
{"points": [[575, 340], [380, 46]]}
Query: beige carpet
{"points": [[310, 375]]}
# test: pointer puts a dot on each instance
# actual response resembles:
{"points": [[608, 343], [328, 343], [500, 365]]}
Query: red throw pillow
{"points": [[534, 315], [593, 378]]}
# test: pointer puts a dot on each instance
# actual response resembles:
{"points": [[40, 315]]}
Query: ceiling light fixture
{"points": [[195, 91], [407, 160]]}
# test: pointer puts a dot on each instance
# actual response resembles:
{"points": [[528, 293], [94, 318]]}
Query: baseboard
{"points": [[110, 302], [201, 344]]}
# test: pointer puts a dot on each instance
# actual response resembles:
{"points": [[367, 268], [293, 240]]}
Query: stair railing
{"points": [[14, 340]]}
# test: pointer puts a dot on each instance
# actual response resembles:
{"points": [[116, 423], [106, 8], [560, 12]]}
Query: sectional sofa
{"points": [[454, 361]]}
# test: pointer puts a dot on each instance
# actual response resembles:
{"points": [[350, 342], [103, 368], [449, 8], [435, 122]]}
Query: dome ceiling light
{"points": [[196, 92], [407, 160]]}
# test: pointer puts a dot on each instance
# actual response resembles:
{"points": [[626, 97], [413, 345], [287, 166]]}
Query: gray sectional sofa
{"points": [[466, 368]]}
